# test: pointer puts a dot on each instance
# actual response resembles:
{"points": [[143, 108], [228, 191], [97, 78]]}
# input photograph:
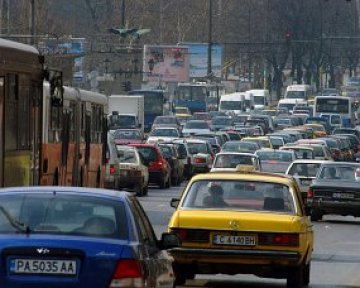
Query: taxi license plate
{"points": [[343, 195], [236, 240], [42, 266]]}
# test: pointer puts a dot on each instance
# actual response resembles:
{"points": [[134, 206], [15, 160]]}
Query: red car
{"points": [[159, 168], [127, 136]]}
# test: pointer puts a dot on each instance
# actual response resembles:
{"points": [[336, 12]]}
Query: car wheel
{"points": [[306, 276], [295, 277], [146, 190], [140, 189], [315, 215], [182, 273], [163, 182], [168, 183]]}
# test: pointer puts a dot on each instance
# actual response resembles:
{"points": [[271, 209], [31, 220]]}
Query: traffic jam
{"points": [[261, 175]]}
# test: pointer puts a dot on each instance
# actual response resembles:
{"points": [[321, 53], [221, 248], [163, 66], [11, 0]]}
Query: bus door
{"points": [[2, 96]]}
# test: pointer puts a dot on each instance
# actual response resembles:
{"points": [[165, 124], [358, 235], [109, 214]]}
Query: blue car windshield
{"points": [[62, 215]]}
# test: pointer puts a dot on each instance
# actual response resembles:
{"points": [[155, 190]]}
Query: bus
{"points": [[74, 138], [335, 105], [154, 105], [21, 82], [199, 96], [50, 134]]}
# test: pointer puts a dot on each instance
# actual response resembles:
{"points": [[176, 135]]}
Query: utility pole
{"points": [[123, 13], [209, 64], [32, 23]]}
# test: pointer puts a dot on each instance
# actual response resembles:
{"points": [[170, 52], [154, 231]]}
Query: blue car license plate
{"points": [[43, 266]]}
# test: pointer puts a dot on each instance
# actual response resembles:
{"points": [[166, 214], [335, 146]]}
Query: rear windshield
{"points": [[148, 153], [304, 169], [232, 160], [196, 125], [240, 195], [63, 214], [277, 156]]}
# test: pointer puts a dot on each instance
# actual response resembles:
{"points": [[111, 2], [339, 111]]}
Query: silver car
{"points": [[304, 171]]}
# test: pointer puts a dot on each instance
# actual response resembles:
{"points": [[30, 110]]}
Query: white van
{"points": [[232, 103], [299, 92], [261, 98], [289, 104], [249, 101]]}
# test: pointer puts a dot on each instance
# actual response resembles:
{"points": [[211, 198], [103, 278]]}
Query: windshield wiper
{"points": [[19, 226]]}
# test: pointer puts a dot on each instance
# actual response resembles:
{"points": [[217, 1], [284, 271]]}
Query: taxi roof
{"points": [[245, 176]]}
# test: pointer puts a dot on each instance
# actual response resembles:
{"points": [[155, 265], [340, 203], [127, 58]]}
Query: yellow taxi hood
{"points": [[246, 221]]}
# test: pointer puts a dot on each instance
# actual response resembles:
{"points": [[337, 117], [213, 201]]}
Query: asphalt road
{"points": [[336, 259]]}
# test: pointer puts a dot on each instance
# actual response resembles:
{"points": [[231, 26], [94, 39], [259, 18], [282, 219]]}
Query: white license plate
{"points": [[42, 266], [305, 182], [247, 240], [343, 195]]}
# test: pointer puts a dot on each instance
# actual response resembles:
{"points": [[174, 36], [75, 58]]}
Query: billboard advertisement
{"points": [[199, 59], [165, 63]]}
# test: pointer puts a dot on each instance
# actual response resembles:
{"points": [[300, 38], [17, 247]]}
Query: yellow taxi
{"points": [[263, 141], [182, 113], [318, 130], [242, 223]]}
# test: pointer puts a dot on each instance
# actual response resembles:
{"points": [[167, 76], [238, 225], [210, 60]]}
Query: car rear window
{"points": [[148, 153], [63, 215], [304, 169], [240, 195], [232, 160]]}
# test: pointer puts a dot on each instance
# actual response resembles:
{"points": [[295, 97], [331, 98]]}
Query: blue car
{"points": [[79, 237]]}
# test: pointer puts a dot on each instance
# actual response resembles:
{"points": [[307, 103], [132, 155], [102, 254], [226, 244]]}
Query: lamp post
{"points": [[209, 64]]}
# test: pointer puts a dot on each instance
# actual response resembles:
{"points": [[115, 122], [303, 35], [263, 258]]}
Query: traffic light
{"points": [[126, 86]]}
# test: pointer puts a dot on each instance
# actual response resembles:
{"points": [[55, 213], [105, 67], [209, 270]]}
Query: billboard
{"points": [[165, 63], [199, 59]]}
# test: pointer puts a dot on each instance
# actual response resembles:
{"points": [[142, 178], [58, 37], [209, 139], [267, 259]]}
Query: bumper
{"points": [[337, 207], [156, 176], [201, 168], [265, 262], [129, 182]]}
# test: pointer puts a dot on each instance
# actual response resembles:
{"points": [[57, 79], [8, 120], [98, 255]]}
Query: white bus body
{"points": [[261, 98], [339, 105], [233, 102]]}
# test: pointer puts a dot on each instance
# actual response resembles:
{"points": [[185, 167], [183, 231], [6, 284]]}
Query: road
{"points": [[336, 259]]}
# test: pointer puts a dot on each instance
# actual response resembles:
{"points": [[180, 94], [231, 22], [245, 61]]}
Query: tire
{"points": [[315, 215], [306, 275], [182, 273], [163, 183], [168, 183], [295, 277], [140, 189], [145, 190]]}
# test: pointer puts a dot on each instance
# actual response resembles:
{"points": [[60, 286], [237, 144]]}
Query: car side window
{"points": [[144, 226]]}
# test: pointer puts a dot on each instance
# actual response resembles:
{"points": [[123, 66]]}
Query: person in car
{"points": [[215, 197]]}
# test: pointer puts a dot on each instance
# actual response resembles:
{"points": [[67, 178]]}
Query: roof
{"points": [[83, 191], [337, 163], [18, 46], [246, 176], [237, 153], [310, 161]]}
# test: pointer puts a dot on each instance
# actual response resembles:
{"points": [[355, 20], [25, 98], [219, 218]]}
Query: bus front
{"points": [[192, 96], [335, 105]]}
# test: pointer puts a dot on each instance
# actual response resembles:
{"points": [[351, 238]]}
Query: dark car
{"points": [[170, 153], [221, 122], [346, 131], [159, 168], [335, 190], [79, 237]]}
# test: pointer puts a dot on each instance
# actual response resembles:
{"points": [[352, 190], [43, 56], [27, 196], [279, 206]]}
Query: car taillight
{"points": [[310, 193], [199, 160], [128, 273], [112, 169], [192, 235], [279, 239], [158, 164]]}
